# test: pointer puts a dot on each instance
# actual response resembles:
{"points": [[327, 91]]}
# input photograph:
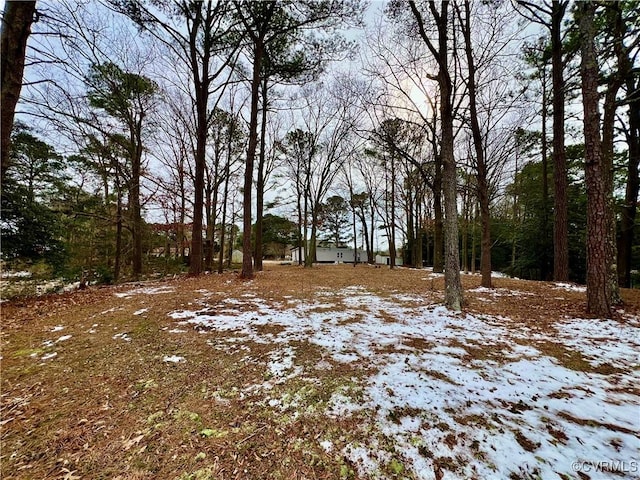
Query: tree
{"points": [[599, 288], [236, 143], [402, 71], [334, 220], [198, 34], [299, 147], [617, 35], [361, 208], [279, 232], [31, 230], [537, 56], [481, 163], [331, 120], [108, 159], [629, 207], [551, 16], [453, 285], [16, 27], [127, 97], [276, 32]]}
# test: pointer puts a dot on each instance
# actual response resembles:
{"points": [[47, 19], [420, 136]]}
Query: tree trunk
{"points": [[473, 238], [16, 28], [300, 223], [629, 209], [544, 260], [208, 251], [465, 228], [355, 238], [615, 81], [195, 253], [453, 285], [305, 220], [372, 228], [232, 234], [118, 252], [561, 224], [225, 199], [136, 233], [134, 200], [481, 166], [598, 287], [391, 218], [438, 229], [261, 181], [310, 256], [247, 251], [411, 243], [419, 261], [365, 234]]}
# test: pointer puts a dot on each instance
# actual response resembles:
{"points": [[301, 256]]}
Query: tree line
{"points": [[155, 129]]}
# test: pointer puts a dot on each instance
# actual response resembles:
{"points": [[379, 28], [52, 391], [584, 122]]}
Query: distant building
{"points": [[330, 255], [237, 256], [386, 260]]}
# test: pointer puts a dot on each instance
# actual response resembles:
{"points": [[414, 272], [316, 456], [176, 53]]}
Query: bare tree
{"points": [[198, 34], [487, 38], [401, 66], [274, 33], [317, 152], [453, 285]]}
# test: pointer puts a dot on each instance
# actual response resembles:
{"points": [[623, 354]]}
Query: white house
{"points": [[386, 260], [330, 255]]}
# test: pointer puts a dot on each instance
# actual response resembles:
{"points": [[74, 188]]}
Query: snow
{"points": [[570, 287], [122, 336], [146, 291], [21, 274], [326, 445], [141, 311], [478, 391], [173, 359], [57, 328], [500, 292]]}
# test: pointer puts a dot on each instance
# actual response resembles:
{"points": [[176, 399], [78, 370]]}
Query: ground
{"points": [[333, 372]]}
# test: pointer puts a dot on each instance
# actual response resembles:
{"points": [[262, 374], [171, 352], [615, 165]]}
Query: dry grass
{"points": [[106, 407]]}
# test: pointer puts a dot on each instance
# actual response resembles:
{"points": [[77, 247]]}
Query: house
{"points": [[330, 255], [386, 260]]}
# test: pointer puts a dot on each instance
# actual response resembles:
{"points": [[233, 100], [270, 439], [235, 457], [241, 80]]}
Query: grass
{"points": [[108, 407]]}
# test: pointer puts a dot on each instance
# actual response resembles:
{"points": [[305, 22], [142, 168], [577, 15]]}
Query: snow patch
{"points": [[476, 396], [570, 287], [146, 291], [173, 359]]}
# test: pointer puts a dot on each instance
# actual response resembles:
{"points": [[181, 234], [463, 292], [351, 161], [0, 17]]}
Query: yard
{"points": [[330, 373]]}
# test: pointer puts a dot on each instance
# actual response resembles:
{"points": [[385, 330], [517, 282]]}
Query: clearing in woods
{"points": [[329, 373]]}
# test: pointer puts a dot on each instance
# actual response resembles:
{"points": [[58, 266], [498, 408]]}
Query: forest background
{"points": [[152, 137]]}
